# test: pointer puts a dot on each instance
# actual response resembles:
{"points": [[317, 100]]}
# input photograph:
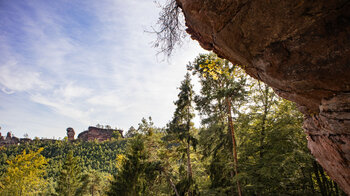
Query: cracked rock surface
{"points": [[301, 49]]}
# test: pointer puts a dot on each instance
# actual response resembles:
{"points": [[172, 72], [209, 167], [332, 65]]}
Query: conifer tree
{"points": [[179, 130], [137, 173], [68, 181], [223, 90]]}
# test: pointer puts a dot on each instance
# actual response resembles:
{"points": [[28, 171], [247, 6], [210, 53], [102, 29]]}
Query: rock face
{"points": [[9, 140], [12, 140], [70, 134], [94, 133], [301, 49]]}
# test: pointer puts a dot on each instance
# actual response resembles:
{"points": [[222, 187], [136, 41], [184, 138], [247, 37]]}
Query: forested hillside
{"points": [[249, 142], [91, 157]]}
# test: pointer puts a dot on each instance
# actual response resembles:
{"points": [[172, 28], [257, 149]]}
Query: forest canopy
{"points": [[249, 142]]}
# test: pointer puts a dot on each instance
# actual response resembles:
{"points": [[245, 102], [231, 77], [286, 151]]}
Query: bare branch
{"points": [[170, 29]]}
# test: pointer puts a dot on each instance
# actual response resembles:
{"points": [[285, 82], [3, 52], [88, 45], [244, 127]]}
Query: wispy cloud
{"points": [[89, 61], [14, 78], [72, 91]]}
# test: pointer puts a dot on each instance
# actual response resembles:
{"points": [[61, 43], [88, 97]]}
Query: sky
{"points": [[71, 63]]}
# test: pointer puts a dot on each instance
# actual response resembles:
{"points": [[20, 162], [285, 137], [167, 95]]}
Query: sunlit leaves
{"points": [[24, 175], [119, 161], [214, 67]]}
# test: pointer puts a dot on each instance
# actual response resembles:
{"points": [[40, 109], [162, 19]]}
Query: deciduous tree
{"points": [[24, 174]]}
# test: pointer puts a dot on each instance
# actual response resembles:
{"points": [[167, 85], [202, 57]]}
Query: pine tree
{"points": [[68, 180], [222, 94], [180, 130], [137, 173]]}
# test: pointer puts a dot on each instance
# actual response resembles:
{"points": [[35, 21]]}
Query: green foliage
{"points": [[179, 135], [137, 173], [24, 174], [69, 178], [273, 158], [99, 156], [274, 147], [131, 132], [223, 91], [92, 183], [272, 155]]}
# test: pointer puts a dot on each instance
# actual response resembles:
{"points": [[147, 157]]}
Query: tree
{"points": [[24, 174], [68, 180], [137, 173], [179, 131], [222, 94], [26, 135], [131, 132], [273, 148], [99, 126], [91, 183]]}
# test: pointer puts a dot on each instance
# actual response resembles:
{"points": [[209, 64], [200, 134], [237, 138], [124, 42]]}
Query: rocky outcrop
{"points": [[99, 134], [301, 49], [9, 140], [70, 133], [329, 137], [92, 134]]}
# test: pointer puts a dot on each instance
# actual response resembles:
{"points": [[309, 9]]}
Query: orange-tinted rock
{"points": [[70, 133], [301, 49], [94, 133]]}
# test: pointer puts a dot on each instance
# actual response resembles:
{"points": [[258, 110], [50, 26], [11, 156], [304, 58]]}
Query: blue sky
{"points": [[71, 63]]}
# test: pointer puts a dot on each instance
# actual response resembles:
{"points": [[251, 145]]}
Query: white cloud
{"points": [[108, 100], [15, 78], [71, 91], [96, 70], [63, 108]]}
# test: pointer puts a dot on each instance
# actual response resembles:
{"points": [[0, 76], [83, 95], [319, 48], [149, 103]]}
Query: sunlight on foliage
{"points": [[24, 175]]}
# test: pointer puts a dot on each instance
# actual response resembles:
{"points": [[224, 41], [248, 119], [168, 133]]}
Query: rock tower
{"points": [[70, 133]]}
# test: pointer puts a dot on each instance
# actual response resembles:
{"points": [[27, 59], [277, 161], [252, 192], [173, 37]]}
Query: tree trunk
{"points": [[234, 145], [265, 101], [262, 134], [173, 186], [189, 166], [170, 181]]}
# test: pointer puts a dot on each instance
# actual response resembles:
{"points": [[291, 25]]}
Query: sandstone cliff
{"points": [[94, 133], [301, 49]]}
